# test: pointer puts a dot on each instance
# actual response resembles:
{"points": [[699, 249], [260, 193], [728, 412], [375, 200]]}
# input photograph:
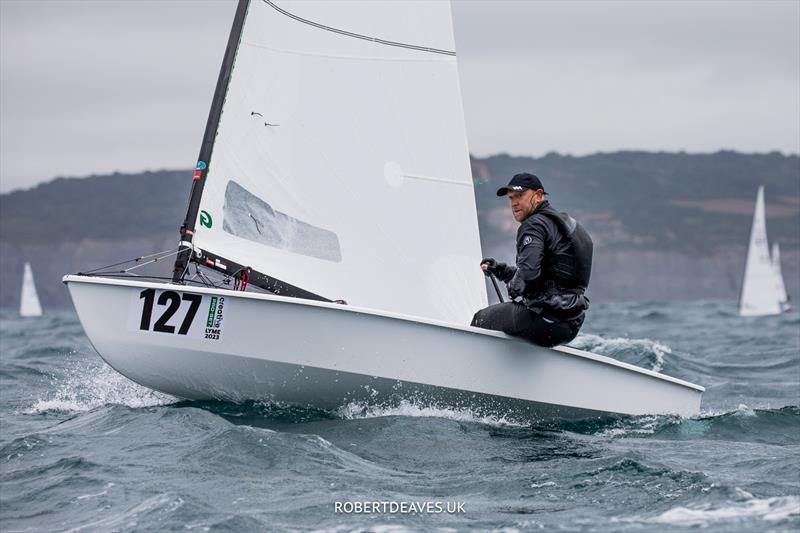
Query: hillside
{"points": [[665, 225], [686, 203]]}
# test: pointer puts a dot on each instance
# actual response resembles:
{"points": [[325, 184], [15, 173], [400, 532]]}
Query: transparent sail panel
{"points": [[759, 290], [340, 163]]}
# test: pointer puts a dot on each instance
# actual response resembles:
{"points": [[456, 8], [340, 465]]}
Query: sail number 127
{"points": [[172, 301]]}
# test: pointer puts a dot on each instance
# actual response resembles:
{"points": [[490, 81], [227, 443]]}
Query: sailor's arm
{"points": [[530, 252]]}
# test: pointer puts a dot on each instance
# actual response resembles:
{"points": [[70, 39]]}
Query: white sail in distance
{"points": [[759, 294], [29, 301], [783, 297], [340, 163]]}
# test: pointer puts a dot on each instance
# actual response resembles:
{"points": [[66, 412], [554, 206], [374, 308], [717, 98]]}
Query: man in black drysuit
{"points": [[554, 261]]}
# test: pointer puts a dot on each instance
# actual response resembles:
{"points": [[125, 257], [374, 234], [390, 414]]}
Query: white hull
{"points": [[326, 355]]}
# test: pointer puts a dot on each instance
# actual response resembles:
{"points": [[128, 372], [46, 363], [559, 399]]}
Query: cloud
{"points": [[581, 77], [89, 87]]}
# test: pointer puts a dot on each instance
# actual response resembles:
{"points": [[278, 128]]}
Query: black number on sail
{"points": [[173, 302]]}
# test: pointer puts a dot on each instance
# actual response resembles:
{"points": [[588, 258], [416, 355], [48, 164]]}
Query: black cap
{"points": [[520, 182]]}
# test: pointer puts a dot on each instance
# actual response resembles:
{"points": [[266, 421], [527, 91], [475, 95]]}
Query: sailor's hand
{"points": [[501, 270], [489, 266]]}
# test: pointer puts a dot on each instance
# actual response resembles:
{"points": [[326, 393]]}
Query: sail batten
{"points": [[340, 164]]}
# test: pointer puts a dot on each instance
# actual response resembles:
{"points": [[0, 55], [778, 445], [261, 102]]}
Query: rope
{"points": [[358, 35], [154, 260], [136, 260]]}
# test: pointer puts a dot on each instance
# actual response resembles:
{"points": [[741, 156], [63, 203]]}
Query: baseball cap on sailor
{"points": [[520, 182]]}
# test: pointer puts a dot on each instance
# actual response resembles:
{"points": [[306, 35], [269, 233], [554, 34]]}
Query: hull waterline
{"points": [[246, 346]]}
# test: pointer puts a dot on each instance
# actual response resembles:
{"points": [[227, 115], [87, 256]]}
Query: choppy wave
{"points": [[642, 352], [82, 447], [768, 426], [775, 509]]}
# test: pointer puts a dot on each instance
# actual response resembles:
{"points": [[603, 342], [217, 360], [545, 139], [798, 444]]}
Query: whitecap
{"points": [[361, 410], [770, 509], [612, 346], [86, 386]]}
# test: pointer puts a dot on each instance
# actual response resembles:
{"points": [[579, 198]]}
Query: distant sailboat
{"points": [[29, 300], [760, 294], [776, 268]]}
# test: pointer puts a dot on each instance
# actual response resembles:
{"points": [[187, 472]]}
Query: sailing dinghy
{"points": [[763, 292], [334, 167], [29, 305]]}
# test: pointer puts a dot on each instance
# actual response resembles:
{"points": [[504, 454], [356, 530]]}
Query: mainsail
{"points": [[29, 300], [783, 297], [759, 291], [338, 159]]}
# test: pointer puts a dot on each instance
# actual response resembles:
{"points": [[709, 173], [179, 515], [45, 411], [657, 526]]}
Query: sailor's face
{"points": [[523, 203]]}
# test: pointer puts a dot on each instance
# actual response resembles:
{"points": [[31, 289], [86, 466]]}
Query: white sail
{"points": [[759, 291], [783, 297], [340, 164], [29, 300]]}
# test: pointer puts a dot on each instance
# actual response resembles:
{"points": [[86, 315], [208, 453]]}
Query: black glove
{"points": [[490, 263], [501, 270], [491, 266]]}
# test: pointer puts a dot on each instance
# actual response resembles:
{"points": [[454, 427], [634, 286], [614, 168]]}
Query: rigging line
{"points": [[358, 35], [206, 282], [152, 261], [136, 259]]}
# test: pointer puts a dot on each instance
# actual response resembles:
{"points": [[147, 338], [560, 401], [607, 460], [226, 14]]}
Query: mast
{"points": [[187, 229], [207, 147]]}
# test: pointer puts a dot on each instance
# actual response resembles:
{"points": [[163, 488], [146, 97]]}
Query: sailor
{"points": [[554, 261]]}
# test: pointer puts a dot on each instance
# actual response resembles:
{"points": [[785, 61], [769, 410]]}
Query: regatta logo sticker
{"points": [[205, 219], [179, 314], [215, 315], [527, 240], [201, 165]]}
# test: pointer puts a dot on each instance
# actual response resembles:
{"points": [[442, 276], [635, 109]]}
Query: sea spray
{"points": [[83, 385]]}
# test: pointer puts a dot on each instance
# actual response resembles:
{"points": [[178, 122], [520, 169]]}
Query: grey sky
{"points": [[99, 86]]}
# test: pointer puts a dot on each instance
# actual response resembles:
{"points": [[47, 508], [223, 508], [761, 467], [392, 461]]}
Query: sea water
{"points": [[84, 449]]}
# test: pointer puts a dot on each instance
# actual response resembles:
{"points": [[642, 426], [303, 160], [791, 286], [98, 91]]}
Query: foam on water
{"points": [[84, 386], [638, 426], [617, 345], [360, 410], [770, 509]]}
